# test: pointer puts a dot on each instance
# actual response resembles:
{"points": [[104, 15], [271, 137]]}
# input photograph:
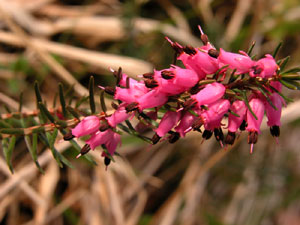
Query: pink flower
{"points": [[265, 67], [234, 122], [129, 95], [258, 109], [152, 99], [201, 62], [242, 63], [274, 115], [214, 115], [108, 138], [185, 124], [209, 94], [87, 126], [118, 116], [113, 142], [169, 120], [179, 80]]}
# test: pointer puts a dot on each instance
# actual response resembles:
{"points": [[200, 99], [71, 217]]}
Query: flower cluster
{"points": [[172, 102]]}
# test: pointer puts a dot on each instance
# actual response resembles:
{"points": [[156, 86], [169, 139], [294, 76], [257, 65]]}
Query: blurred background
{"points": [[189, 182]]}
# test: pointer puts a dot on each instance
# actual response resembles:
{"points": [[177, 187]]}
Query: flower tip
{"points": [[169, 40], [111, 69], [78, 156], [200, 29]]}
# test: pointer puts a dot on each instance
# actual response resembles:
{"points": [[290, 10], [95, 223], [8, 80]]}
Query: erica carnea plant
{"points": [[164, 105]]}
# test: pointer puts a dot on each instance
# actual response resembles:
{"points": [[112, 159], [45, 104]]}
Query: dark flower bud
{"points": [[204, 39], [178, 49], [275, 131], [150, 83], [132, 106], [230, 138], [155, 138], [207, 134], [167, 74], [189, 50], [243, 125], [148, 75], [107, 161], [114, 106], [219, 134], [213, 53], [173, 137], [110, 90], [69, 136], [252, 137], [85, 149]]}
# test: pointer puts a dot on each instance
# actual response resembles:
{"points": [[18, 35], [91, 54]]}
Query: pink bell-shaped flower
{"points": [[185, 124], [169, 120], [209, 94], [119, 116], [87, 126], [201, 62], [242, 63], [152, 99], [265, 67], [213, 116], [129, 95], [274, 115], [258, 109], [238, 107]]}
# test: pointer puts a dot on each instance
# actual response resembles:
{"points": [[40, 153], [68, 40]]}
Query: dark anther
{"points": [[189, 50], [167, 74], [148, 75], [197, 124], [107, 161], [155, 138], [207, 134], [275, 131], [213, 53], [114, 105], [218, 134], [85, 149], [173, 137], [177, 48], [104, 126], [110, 90], [189, 104], [230, 138], [252, 137], [204, 39], [194, 90], [132, 106], [69, 136], [118, 74], [149, 83], [243, 125]]}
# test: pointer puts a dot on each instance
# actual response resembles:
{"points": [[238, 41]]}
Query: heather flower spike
{"points": [[169, 103]]}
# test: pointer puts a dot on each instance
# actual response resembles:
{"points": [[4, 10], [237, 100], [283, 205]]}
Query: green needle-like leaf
{"points": [[251, 48], [293, 70], [73, 112], [45, 112], [8, 145], [277, 49], [62, 100], [102, 102], [91, 95], [282, 62]]}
